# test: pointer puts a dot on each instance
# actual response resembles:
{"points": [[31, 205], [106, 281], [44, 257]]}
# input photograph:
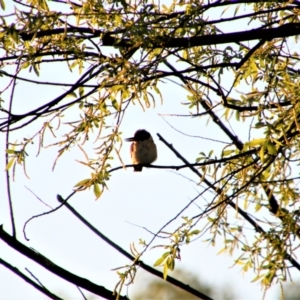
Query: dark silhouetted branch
{"points": [[40, 288], [246, 216], [285, 30], [55, 269], [147, 268]]}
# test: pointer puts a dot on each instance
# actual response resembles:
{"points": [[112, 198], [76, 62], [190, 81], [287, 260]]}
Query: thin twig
{"points": [[42, 289], [197, 136], [45, 213], [40, 283], [38, 197], [81, 292], [147, 230], [11, 211]]}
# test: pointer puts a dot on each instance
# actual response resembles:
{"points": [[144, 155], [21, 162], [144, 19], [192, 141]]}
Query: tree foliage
{"points": [[238, 63]]}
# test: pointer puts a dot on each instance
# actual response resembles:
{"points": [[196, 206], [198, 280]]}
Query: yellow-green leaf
{"points": [[82, 182], [271, 148], [262, 154], [165, 272], [2, 4], [222, 250], [256, 142], [171, 263], [227, 152], [81, 91], [159, 261], [97, 190], [10, 151], [73, 94], [194, 232], [10, 163], [25, 65]]}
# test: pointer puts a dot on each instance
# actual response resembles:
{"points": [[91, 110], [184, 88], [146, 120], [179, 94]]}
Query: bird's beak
{"points": [[129, 139]]}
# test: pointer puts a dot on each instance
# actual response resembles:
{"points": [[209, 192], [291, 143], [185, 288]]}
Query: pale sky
{"points": [[147, 199]]}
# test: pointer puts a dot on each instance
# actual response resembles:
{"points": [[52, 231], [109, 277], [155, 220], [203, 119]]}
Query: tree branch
{"points": [[144, 266], [282, 31], [285, 30], [57, 270], [205, 163], [42, 289], [256, 226]]}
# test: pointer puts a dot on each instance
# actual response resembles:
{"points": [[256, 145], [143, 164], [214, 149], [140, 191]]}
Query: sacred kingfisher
{"points": [[142, 150]]}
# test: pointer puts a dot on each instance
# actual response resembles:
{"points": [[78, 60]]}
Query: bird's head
{"points": [[140, 135]]}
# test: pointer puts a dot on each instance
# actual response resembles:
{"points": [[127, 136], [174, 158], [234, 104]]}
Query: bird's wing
{"points": [[132, 146]]}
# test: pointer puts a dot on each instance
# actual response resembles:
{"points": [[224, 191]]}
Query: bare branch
{"points": [[129, 256], [40, 288], [55, 269]]}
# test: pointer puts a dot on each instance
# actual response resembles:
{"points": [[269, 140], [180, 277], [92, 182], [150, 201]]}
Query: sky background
{"points": [[133, 201]]}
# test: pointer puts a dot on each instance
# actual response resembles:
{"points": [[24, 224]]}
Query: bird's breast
{"points": [[143, 152]]}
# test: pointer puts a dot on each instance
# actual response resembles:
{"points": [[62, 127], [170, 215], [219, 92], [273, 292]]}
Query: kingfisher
{"points": [[142, 150]]}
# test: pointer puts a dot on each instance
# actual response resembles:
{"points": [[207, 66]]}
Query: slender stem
{"points": [[11, 211], [40, 288]]}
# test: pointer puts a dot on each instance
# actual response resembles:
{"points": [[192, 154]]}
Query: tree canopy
{"points": [[238, 63]]}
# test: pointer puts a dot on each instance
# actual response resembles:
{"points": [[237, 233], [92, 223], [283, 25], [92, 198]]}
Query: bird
{"points": [[142, 150]]}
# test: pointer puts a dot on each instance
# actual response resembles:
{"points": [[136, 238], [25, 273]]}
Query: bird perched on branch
{"points": [[142, 150]]}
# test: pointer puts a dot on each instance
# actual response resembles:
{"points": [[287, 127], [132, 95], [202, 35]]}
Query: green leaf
{"points": [[195, 232], [259, 124], [262, 154], [36, 70], [26, 64], [165, 272], [97, 190], [159, 261], [257, 207], [115, 104], [171, 263], [10, 163], [227, 152], [10, 151], [73, 95], [258, 277], [116, 88], [271, 148], [185, 54], [2, 33], [2, 4], [256, 142], [82, 182], [81, 91], [222, 250]]}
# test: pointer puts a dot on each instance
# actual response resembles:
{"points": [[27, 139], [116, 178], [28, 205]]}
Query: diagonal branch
{"points": [[55, 269], [40, 288], [274, 206], [246, 216], [144, 266]]}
